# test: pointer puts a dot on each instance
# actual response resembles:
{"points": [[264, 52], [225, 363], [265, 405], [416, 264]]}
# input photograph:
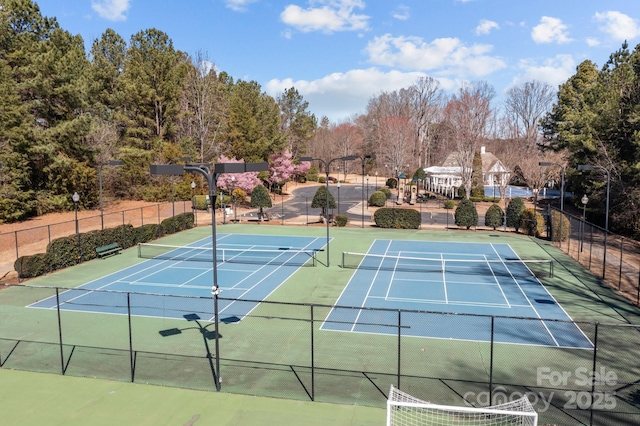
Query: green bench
{"points": [[108, 250]]}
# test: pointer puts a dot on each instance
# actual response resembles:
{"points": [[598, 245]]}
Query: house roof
{"points": [[489, 162]]}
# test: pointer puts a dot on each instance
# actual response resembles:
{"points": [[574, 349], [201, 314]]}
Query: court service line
{"points": [[544, 324], [278, 267]]}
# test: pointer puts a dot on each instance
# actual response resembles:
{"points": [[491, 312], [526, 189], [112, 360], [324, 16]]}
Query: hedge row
{"points": [[397, 218], [68, 251]]}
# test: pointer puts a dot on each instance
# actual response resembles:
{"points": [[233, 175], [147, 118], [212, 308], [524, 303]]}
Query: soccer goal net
{"points": [[406, 410]]}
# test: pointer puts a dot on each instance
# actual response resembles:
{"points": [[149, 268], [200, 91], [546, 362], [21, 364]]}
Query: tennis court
{"points": [[455, 277], [250, 267]]}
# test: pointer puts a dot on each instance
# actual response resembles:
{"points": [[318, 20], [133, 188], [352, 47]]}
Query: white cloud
{"points": [[592, 42], [444, 56], [340, 95], [402, 13], [485, 26], [554, 71], [112, 10], [618, 25], [550, 30], [238, 5], [329, 16]]}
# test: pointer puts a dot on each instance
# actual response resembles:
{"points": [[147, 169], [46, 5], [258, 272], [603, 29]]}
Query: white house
{"points": [[444, 179]]}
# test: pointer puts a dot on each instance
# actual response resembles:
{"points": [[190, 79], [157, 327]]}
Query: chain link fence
{"points": [[35, 240], [282, 350], [613, 258]]}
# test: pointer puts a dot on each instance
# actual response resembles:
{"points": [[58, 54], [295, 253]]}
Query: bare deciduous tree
{"points": [[203, 107], [466, 117]]}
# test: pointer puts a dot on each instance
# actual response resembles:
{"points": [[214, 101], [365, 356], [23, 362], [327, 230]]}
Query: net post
{"points": [[139, 250]]}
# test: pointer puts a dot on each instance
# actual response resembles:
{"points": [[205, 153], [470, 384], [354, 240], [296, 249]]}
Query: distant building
{"points": [[444, 179]]}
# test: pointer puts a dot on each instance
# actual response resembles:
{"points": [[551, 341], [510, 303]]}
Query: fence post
{"points": [[493, 319], [313, 376], [60, 330], [593, 369], [131, 357], [620, 271], [604, 256], [399, 344]]}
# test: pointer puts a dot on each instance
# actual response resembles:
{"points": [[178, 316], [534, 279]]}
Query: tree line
{"points": [[66, 113]]}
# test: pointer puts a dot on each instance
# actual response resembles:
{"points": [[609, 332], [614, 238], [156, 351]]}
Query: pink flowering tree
{"points": [[301, 169], [281, 168], [230, 181]]}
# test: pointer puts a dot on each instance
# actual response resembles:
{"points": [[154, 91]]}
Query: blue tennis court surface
{"points": [[461, 278], [250, 267]]}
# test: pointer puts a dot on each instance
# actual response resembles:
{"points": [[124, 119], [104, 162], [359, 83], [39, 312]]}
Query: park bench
{"points": [[108, 250]]}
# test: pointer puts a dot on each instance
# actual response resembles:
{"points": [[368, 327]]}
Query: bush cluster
{"points": [[392, 183], [397, 218], [377, 199], [341, 220], [67, 251], [560, 226], [532, 223], [466, 214], [386, 191], [449, 204]]}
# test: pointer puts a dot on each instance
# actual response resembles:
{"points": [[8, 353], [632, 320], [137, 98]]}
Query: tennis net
{"points": [[280, 256], [501, 267]]}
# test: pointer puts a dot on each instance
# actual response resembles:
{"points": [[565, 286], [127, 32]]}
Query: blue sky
{"points": [[340, 53]]}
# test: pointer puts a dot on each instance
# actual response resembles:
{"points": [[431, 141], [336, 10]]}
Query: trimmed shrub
{"points": [[466, 214], [392, 183], [387, 191], [514, 212], [378, 199], [200, 202], [312, 177], [560, 226], [341, 220], [494, 216], [532, 223], [397, 218], [64, 252], [31, 266], [322, 179], [449, 204], [320, 200], [147, 233], [177, 223]]}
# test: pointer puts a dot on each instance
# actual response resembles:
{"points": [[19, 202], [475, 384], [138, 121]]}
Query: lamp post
{"points": [[588, 167], [76, 198], [326, 170], [363, 159], [233, 198], [367, 190], [338, 186], [584, 200], [397, 185], [109, 163], [212, 178], [562, 168], [193, 202]]}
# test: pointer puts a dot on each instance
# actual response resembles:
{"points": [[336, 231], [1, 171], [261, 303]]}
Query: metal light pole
{"points": [[584, 200], [212, 178], [326, 170], [587, 167], [367, 190], [193, 203], [233, 198], [109, 163], [338, 185], [76, 198], [562, 168]]}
